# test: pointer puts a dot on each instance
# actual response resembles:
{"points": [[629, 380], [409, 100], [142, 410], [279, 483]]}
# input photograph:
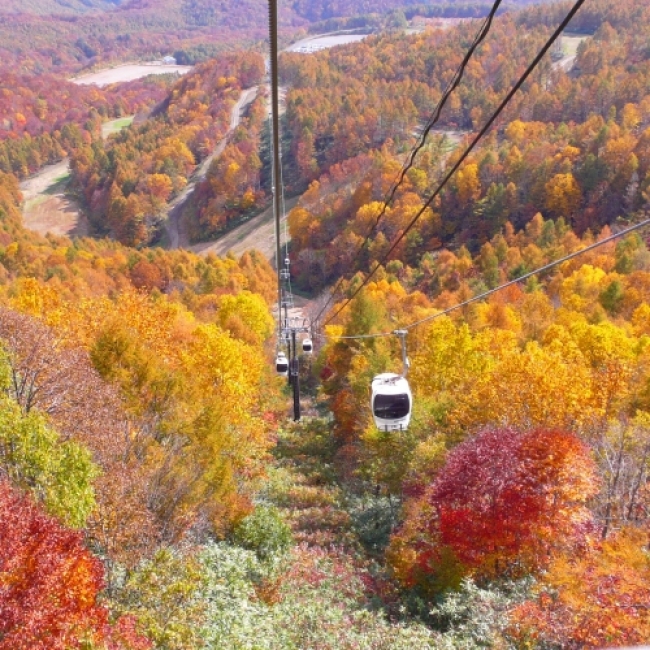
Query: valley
{"points": [[48, 206]]}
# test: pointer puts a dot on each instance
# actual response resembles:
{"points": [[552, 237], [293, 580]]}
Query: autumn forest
{"points": [[155, 491]]}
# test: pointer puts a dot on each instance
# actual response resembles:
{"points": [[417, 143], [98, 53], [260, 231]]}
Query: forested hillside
{"points": [[154, 493], [232, 189], [527, 459], [127, 183], [140, 30], [522, 476], [60, 7], [323, 9], [132, 410], [569, 145], [193, 30], [44, 118]]}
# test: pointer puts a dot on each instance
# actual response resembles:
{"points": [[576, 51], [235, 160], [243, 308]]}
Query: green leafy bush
{"points": [[264, 532], [59, 474]]}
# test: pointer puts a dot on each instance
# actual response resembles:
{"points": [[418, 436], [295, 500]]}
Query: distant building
{"points": [[169, 60]]}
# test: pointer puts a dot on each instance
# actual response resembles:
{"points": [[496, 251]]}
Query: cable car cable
{"points": [[391, 397], [542, 269], [435, 116], [453, 84], [275, 143], [288, 366], [360, 336], [485, 294], [466, 153]]}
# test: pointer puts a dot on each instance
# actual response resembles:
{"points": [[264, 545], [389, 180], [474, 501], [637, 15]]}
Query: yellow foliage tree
{"points": [[563, 195], [468, 183]]}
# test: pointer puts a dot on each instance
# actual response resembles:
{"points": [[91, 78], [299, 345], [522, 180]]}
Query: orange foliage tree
{"points": [[597, 598]]}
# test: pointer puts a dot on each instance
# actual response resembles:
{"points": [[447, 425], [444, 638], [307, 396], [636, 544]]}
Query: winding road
{"points": [[570, 43], [174, 223]]}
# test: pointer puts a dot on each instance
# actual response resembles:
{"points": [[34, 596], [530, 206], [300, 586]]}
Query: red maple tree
{"points": [[49, 583]]}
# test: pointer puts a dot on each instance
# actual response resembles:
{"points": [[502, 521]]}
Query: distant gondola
{"points": [[307, 346], [282, 364]]}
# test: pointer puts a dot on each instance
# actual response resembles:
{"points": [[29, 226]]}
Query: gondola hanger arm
{"points": [[406, 364]]}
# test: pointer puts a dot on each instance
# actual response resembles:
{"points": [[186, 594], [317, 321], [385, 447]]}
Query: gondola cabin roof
{"points": [[389, 383]]}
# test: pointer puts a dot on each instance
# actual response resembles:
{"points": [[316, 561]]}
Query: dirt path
{"points": [[47, 208], [50, 175], [176, 231], [319, 42]]}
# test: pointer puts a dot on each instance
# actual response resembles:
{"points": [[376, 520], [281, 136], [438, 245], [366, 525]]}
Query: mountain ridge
{"points": [[57, 7]]}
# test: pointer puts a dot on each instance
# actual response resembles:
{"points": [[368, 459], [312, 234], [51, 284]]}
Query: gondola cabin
{"points": [[391, 402], [282, 364], [307, 346]]}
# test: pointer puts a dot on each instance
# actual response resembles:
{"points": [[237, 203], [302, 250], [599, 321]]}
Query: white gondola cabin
{"points": [[282, 364], [391, 402], [307, 345]]}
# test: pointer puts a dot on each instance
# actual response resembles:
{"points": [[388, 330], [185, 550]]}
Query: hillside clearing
{"points": [[128, 72]]}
